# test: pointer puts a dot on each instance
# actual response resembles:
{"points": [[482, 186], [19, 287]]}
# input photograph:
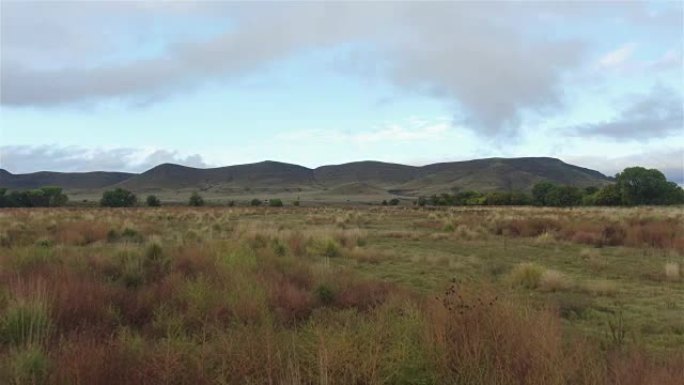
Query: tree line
{"points": [[634, 186], [41, 197]]}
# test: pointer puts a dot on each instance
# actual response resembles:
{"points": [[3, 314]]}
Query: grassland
{"points": [[304, 295]]}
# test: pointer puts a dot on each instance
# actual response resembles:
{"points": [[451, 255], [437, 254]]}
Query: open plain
{"points": [[346, 295]]}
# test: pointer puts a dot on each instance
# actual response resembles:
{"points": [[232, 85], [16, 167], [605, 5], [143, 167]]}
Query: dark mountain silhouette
{"points": [[510, 174]]}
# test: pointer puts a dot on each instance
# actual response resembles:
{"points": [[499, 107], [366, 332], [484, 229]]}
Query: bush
{"points": [[325, 294], [118, 198], [394, 202], [153, 201], [255, 202], [527, 275], [275, 203], [196, 200]]}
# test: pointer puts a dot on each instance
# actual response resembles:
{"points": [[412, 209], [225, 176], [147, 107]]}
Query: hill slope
{"points": [[255, 175], [68, 180], [357, 178]]}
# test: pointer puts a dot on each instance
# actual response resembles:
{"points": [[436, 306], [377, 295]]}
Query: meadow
{"points": [[342, 295]]}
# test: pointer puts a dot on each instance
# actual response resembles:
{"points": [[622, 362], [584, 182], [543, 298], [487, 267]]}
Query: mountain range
{"points": [[368, 178]]}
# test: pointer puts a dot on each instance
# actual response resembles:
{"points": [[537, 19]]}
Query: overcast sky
{"points": [[128, 85]]}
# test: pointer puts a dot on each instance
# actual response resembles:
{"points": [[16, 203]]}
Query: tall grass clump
{"points": [[527, 275], [26, 322], [552, 280], [27, 365], [672, 271]]}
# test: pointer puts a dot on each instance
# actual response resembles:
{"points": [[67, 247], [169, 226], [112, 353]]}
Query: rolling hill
{"points": [[67, 180], [357, 178]]}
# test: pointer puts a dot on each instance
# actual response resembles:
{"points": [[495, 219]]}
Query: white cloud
{"points": [[618, 57], [24, 159], [413, 129]]}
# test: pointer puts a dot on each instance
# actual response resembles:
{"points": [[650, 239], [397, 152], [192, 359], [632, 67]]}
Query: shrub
{"points": [[527, 275], [153, 201], [255, 202], [275, 203], [325, 294], [672, 271], [196, 200], [118, 198], [552, 280], [393, 202]]}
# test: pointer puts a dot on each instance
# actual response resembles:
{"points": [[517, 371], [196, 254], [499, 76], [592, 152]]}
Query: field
{"points": [[342, 295]]}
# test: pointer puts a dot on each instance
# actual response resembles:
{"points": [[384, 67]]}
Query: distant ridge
{"points": [[491, 174], [67, 180]]}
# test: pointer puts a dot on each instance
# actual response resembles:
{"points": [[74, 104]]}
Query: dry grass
{"points": [[310, 296], [552, 280], [672, 271]]}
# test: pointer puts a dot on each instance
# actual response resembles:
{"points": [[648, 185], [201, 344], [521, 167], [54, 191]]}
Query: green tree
{"points": [[563, 196], [641, 186], [520, 199], [3, 198], [255, 202], [118, 198], [196, 200], [540, 192], [498, 198], [608, 196], [19, 199], [153, 201], [393, 202]]}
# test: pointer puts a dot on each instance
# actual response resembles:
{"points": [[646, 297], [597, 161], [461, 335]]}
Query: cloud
{"points": [[658, 114], [487, 60], [668, 160], [411, 130], [623, 61], [23, 159], [619, 56]]}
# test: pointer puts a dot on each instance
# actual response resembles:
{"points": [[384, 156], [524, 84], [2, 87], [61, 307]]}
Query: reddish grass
{"points": [[79, 233]]}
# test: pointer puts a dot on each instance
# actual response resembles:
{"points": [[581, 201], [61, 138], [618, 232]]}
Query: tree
{"points": [[608, 196], [196, 200], [498, 198], [19, 199], [54, 195], [275, 203], [255, 202], [520, 199], [540, 191], [118, 198], [641, 186], [153, 201], [393, 202], [3, 198], [563, 196]]}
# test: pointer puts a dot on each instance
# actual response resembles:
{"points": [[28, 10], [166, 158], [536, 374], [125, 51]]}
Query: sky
{"points": [[125, 85]]}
